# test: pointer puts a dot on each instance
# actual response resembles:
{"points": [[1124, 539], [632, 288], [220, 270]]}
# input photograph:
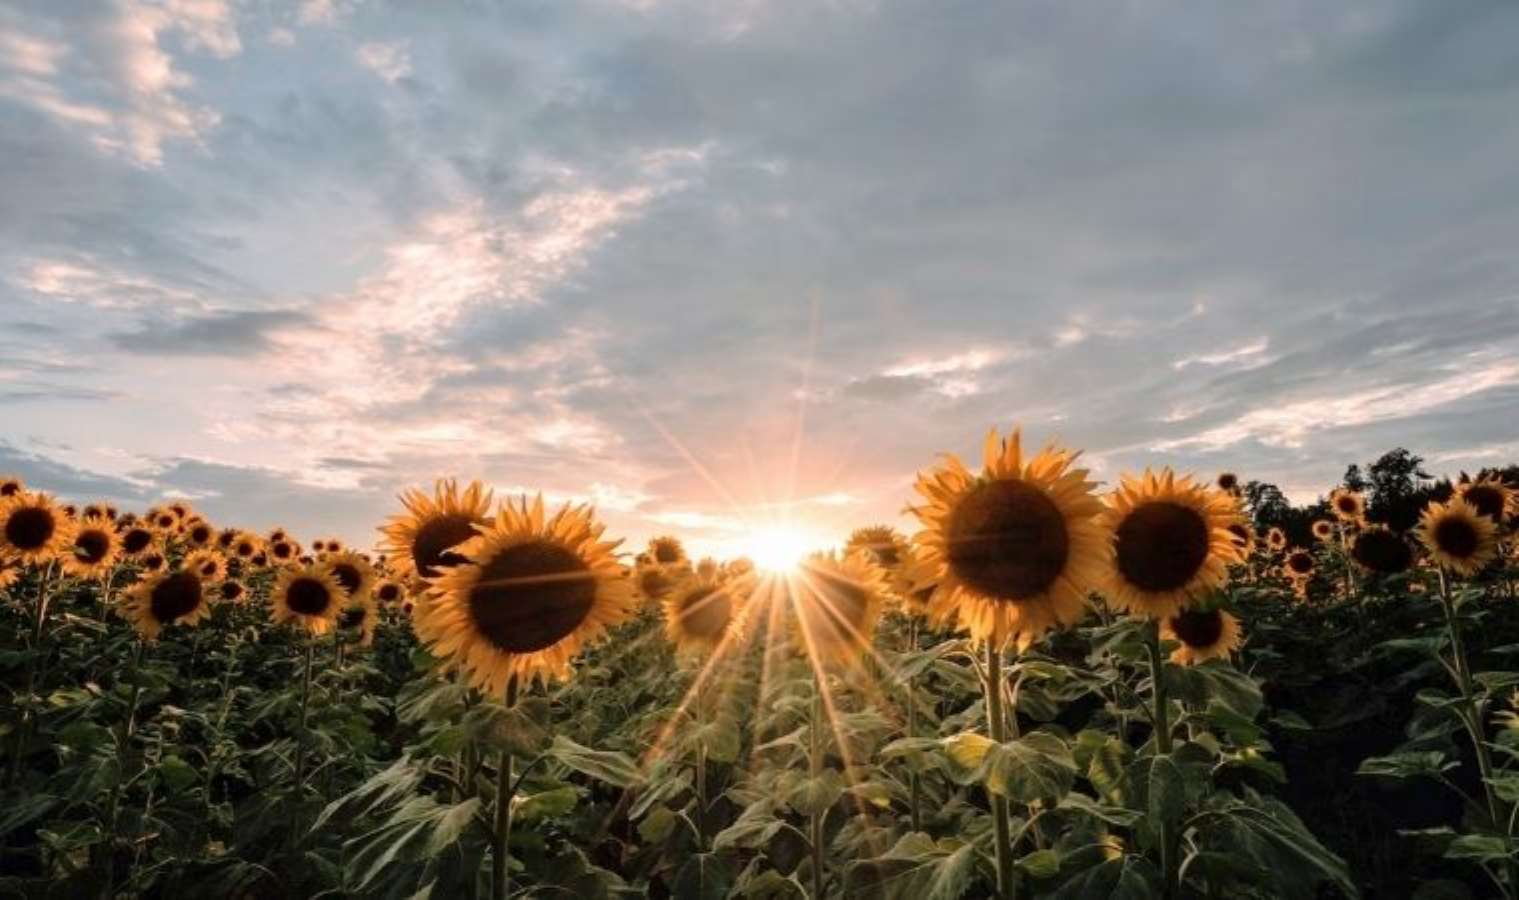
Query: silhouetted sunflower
{"points": [[94, 549], [1228, 482], [1323, 529], [1299, 563], [1457, 536], [1382, 550], [1348, 505], [837, 603], [308, 596], [389, 592], [33, 530], [531, 593], [163, 599], [1490, 497], [10, 485], [1203, 634], [423, 542], [1276, 539], [1016, 549], [199, 534], [700, 614], [1170, 542], [231, 591], [97, 510]]}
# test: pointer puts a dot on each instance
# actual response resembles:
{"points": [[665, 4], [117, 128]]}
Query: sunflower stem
{"points": [[500, 849], [1351, 588], [300, 738], [815, 769], [996, 724], [1162, 723], [113, 808], [39, 624], [701, 768], [914, 783], [1472, 719]]}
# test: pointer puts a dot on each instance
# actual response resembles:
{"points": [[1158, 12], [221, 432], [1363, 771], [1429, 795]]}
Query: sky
{"points": [[716, 265]]}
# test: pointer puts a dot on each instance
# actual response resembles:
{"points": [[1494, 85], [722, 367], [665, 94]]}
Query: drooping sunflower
{"points": [[151, 562], [163, 599], [32, 529], [1243, 536], [1203, 634], [533, 591], [208, 564], [1348, 505], [653, 583], [1228, 482], [1382, 550], [361, 615], [354, 573], [1170, 542], [309, 597], [231, 591], [1298, 564], [1323, 529], [667, 551], [94, 549], [701, 613], [1016, 549], [389, 592], [423, 541], [1490, 497], [11, 485], [1457, 536], [837, 602], [1276, 539]]}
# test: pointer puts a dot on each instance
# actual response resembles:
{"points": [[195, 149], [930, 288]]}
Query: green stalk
{"points": [[1471, 717], [500, 851], [815, 769], [300, 738], [913, 782], [128, 731], [1007, 886], [701, 772], [1162, 747], [39, 623]]}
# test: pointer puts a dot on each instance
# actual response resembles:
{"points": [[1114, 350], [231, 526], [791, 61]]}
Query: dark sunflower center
{"points": [[1382, 551], [175, 597], [1007, 540], [10, 488], [887, 555], [1456, 537], [308, 596], [348, 576], [1161, 546], [1228, 482], [208, 568], [244, 550], [200, 534], [281, 550], [153, 563], [705, 612], [665, 553], [351, 617], [437, 536], [1346, 505], [136, 540], [389, 592], [1301, 563], [231, 590], [165, 521], [1487, 499], [30, 528], [834, 611], [1198, 628], [531, 596], [91, 546]]}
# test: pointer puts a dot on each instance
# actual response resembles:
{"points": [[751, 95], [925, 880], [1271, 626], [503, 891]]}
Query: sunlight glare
{"points": [[778, 549]]}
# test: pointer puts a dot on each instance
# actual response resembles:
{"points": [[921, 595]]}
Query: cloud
{"points": [[390, 61], [215, 334]]}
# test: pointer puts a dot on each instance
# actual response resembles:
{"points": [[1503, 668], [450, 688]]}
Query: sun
{"points": [[778, 549]]}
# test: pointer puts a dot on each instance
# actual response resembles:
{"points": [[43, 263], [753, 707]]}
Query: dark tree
{"points": [[1399, 489], [1354, 480]]}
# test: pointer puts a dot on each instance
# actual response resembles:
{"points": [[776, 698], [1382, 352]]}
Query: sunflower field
{"points": [[1172, 686]]}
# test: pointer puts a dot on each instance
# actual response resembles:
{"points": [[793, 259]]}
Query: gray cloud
{"points": [[216, 334]]}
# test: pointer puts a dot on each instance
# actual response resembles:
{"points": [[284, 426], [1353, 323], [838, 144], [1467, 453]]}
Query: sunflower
{"points": [[1298, 564], [1348, 505], [707, 568], [245, 545], [97, 510], [667, 551], [308, 596], [182, 510], [152, 562], [331, 545], [1490, 497], [1203, 634], [1170, 542], [10, 485], [354, 573], [9, 575], [208, 564], [1323, 529], [163, 599], [283, 551], [422, 542], [1016, 549], [279, 534], [532, 592], [231, 591], [701, 613], [389, 592], [360, 614], [1276, 539], [1457, 536], [837, 603], [94, 549], [1228, 482], [32, 529], [226, 538], [883, 543], [164, 520], [1382, 550], [653, 582], [199, 534], [1243, 536]]}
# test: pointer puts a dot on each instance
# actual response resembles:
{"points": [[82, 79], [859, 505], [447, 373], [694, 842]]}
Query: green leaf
{"points": [[1041, 864], [1481, 848], [1125, 878], [612, 767], [1037, 766], [817, 795], [916, 867], [177, 774], [544, 804], [657, 825], [704, 877], [1267, 834], [1165, 789], [1411, 764]]}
